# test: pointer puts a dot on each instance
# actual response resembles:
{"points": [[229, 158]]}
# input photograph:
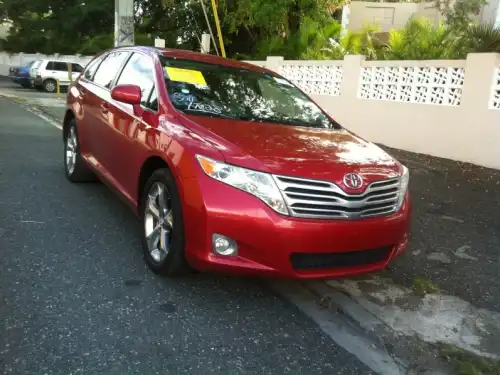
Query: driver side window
{"points": [[139, 71], [92, 68]]}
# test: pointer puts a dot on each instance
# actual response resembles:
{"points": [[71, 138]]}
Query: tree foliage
{"points": [[421, 40], [252, 29], [86, 26], [458, 14]]}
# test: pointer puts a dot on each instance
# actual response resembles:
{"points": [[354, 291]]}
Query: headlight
{"points": [[260, 184], [403, 187]]}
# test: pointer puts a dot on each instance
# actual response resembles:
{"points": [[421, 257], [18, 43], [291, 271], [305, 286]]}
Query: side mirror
{"points": [[129, 94]]}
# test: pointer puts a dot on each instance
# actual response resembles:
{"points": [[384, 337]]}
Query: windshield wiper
{"points": [[207, 114], [275, 120]]}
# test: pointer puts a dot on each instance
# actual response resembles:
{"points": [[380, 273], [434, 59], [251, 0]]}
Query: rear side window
{"points": [[50, 65], [109, 68], [60, 66], [76, 68], [140, 71]]}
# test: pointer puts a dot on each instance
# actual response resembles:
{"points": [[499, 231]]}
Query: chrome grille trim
{"points": [[325, 200]]}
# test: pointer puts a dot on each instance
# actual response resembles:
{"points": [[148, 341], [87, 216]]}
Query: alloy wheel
{"points": [[50, 86], [158, 222], [71, 150]]}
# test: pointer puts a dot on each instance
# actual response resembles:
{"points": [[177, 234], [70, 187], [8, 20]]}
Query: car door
{"points": [[128, 123], [60, 72], [96, 92], [76, 70], [87, 109]]}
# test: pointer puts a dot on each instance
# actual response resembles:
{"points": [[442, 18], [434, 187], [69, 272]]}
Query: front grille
{"points": [[325, 200], [315, 261]]}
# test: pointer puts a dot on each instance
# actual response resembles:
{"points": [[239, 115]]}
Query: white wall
{"points": [[20, 59], [449, 109], [389, 15], [395, 15], [491, 13]]}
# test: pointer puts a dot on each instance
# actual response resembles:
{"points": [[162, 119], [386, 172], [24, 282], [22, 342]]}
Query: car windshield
{"points": [[211, 90]]}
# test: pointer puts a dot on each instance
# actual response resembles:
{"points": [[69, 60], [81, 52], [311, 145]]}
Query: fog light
{"points": [[223, 245]]}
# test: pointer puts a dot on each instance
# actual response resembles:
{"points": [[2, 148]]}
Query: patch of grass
{"points": [[422, 286], [18, 99], [466, 363]]}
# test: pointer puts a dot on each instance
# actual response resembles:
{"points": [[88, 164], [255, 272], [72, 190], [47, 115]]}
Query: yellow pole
{"points": [[70, 73], [219, 32], [58, 90]]}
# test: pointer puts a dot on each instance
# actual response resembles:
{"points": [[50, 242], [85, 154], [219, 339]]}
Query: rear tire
{"points": [[163, 238], [74, 165]]}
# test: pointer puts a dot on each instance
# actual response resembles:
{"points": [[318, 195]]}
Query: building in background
{"points": [[491, 13], [389, 16], [394, 15]]}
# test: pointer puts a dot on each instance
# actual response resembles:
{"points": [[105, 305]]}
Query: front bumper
{"points": [[271, 244]]}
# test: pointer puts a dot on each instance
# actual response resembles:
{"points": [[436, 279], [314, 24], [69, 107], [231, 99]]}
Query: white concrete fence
{"points": [[445, 108], [20, 59], [449, 109]]}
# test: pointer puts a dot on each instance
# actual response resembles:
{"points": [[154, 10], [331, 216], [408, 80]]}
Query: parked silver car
{"points": [[47, 73]]}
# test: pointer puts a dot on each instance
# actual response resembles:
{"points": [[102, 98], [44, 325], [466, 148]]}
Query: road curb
{"points": [[35, 109], [384, 319]]}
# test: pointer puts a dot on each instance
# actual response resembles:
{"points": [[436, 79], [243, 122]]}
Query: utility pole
{"points": [[124, 23], [205, 43]]}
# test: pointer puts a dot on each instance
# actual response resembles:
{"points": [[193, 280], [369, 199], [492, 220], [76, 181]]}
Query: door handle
{"points": [[104, 108]]}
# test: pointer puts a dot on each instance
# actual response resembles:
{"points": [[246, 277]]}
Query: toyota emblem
{"points": [[353, 181]]}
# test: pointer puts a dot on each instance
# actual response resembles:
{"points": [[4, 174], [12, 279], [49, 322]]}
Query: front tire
{"points": [[74, 165], [50, 85], [162, 226]]}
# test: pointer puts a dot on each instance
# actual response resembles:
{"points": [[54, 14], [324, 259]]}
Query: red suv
{"points": [[232, 168]]}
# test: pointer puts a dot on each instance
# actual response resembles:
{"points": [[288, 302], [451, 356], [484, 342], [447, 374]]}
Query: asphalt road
{"points": [[16, 89], [76, 297]]}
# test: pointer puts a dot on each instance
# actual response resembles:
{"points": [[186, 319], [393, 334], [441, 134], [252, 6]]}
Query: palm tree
{"points": [[481, 38], [420, 39]]}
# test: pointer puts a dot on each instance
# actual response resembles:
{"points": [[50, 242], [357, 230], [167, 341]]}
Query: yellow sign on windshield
{"points": [[193, 77]]}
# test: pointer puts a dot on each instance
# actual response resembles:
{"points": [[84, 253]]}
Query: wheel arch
{"points": [[150, 165], [68, 116], [49, 79]]}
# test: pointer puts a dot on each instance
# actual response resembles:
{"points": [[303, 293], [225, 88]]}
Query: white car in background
{"points": [[46, 73]]}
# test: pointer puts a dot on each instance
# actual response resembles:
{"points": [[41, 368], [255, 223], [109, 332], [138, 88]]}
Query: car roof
{"points": [[194, 56], [63, 61]]}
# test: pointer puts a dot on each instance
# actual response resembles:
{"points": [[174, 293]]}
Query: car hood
{"points": [[323, 154]]}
